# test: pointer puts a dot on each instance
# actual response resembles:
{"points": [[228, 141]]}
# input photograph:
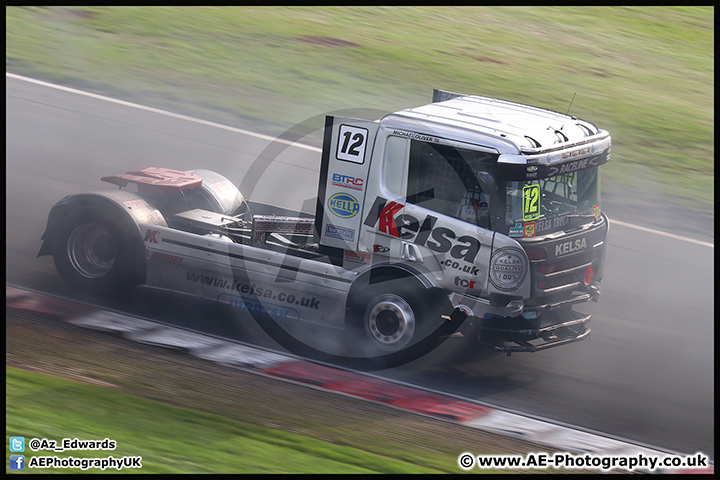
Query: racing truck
{"points": [[469, 213]]}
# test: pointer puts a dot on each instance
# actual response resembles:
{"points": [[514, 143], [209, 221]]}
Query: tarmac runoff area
{"points": [[365, 411]]}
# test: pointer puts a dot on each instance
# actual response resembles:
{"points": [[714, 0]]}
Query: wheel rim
{"points": [[390, 322], [91, 250]]}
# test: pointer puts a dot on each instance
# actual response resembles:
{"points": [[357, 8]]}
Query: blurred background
{"points": [[646, 74]]}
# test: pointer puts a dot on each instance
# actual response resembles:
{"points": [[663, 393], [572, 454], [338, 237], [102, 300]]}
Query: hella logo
{"points": [[343, 205]]}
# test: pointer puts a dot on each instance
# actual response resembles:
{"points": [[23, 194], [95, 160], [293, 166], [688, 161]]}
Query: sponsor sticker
{"points": [[508, 268], [346, 181], [529, 230], [342, 233], [357, 258], [166, 258], [343, 205], [377, 248], [516, 231], [465, 283]]}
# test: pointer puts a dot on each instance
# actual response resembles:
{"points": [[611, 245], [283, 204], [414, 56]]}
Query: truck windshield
{"points": [[548, 205]]}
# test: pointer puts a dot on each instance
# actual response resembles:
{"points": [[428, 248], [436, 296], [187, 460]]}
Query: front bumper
{"points": [[531, 332], [482, 308]]}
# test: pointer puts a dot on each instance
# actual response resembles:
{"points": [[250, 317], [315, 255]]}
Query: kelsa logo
{"points": [[570, 247], [344, 205], [407, 227]]}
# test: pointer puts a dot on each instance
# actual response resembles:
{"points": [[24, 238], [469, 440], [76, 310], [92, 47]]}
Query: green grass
{"points": [[646, 74], [169, 439]]}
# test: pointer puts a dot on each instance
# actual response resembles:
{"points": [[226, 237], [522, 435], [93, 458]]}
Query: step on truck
{"points": [[468, 213]]}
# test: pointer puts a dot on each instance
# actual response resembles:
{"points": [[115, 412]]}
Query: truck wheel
{"points": [[94, 253], [392, 319], [390, 322]]}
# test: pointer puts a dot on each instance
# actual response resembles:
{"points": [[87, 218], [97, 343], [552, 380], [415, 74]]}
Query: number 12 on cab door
{"points": [[351, 144]]}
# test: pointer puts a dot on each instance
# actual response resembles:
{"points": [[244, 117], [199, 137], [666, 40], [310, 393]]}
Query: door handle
{"points": [[410, 252]]}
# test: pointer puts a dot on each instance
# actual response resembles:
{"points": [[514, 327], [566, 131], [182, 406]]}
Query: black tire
{"points": [[396, 321], [95, 253]]}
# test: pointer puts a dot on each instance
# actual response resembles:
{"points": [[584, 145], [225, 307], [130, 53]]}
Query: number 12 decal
{"points": [[351, 144], [531, 202]]}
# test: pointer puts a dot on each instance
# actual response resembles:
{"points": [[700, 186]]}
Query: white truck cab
{"points": [[496, 203]]}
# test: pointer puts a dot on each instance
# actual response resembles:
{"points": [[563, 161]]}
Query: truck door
{"points": [[347, 151], [446, 218]]}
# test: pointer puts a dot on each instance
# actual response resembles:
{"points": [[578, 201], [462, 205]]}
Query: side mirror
{"points": [[487, 182]]}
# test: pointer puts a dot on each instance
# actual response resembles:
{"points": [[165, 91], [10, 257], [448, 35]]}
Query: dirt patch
{"points": [[73, 13], [486, 59], [594, 71], [327, 41]]}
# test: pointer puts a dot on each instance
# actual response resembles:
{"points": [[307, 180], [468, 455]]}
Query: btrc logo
{"points": [[343, 205]]}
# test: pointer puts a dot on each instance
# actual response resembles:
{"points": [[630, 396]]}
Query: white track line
{"points": [[664, 234], [271, 139], [160, 112]]}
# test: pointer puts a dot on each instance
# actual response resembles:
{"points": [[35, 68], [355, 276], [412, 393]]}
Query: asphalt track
{"points": [[645, 374]]}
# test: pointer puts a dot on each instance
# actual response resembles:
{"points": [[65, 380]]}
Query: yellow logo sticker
{"points": [[529, 229]]}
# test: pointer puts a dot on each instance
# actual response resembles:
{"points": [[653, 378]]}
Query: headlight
{"points": [[508, 268]]}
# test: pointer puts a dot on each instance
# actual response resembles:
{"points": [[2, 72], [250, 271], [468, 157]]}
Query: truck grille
{"points": [[562, 278], [562, 275]]}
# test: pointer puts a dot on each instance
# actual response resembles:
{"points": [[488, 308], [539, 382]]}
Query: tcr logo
{"points": [[464, 283]]}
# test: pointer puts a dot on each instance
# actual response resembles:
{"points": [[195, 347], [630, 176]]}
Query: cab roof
{"points": [[510, 128]]}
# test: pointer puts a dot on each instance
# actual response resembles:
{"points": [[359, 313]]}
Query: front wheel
{"points": [[391, 322], [94, 253], [396, 321]]}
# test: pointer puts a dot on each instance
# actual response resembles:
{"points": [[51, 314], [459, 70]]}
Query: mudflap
{"points": [[533, 331]]}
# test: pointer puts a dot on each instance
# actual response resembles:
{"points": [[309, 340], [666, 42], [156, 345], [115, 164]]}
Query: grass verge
{"points": [[170, 439]]}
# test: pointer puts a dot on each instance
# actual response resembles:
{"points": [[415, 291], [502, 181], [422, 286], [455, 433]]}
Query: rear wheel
{"points": [[94, 253]]}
